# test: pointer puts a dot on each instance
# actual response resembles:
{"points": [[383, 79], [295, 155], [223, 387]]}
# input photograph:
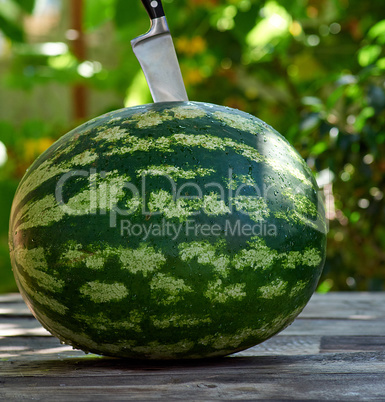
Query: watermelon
{"points": [[167, 231]]}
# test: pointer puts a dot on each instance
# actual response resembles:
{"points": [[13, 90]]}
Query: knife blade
{"points": [[157, 57]]}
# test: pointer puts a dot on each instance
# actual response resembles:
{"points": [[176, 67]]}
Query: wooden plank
{"points": [[322, 377], [265, 387], [109, 369], [347, 305], [11, 298], [271, 387], [352, 343], [336, 327], [15, 309], [16, 326]]}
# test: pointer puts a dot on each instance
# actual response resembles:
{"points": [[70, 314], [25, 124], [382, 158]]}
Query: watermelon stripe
{"points": [[104, 292], [46, 211], [208, 142], [178, 321], [217, 293], [174, 172], [152, 118], [154, 350], [167, 289], [48, 169], [28, 260], [41, 297], [101, 321]]}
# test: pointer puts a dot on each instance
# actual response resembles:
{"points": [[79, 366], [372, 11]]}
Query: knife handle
{"points": [[154, 8]]}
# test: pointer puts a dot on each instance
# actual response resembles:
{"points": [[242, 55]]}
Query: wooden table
{"points": [[335, 350]]}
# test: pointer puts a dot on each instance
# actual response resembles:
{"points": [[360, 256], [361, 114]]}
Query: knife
{"points": [[156, 54]]}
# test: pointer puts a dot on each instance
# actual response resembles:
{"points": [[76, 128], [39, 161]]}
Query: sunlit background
{"points": [[313, 69]]}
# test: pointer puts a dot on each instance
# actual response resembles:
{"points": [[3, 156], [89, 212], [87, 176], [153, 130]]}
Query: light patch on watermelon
{"points": [[293, 216], [74, 254], [279, 142], [277, 287], [111, 134], [297, 288], [301, 206], [100, 292], [31, 258], [43, 212], [218, 293], [153, 118], [238, 122], [178, 321], [44, 172], [42, 298], [189, 112], [259, 256], [133, 203], [144, 260], [83, 159], [162, 201], [155, 350], [255, 207], [34, 264], [205, 141], [175, 172], [205, 253], [149, 119], [96, 261], [292, 259], [236, 181], [102, 322], [311, 257], [301, 203], [103, 192], [224, 341], [167, 289], [288, 168], [213, 206], [49, 169]]}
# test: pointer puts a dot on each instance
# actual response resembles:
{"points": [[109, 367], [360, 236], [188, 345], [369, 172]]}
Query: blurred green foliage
{"points": [[313, 69]]}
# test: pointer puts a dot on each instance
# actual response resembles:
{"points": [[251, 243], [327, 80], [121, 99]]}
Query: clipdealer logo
{"points": [[106, 192]]}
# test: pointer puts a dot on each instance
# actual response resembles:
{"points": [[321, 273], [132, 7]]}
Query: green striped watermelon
{"points": [[169, 230]]}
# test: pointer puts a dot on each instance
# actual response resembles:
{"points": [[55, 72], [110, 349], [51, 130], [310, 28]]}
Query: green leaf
{"points": [[319, 148], [381, 63], [364, 115], [369, 54], [26, 5], [97, 13], [354, 217], [8, 133], [11, 30], [377, 31], [126, 12], [335, 96]]}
